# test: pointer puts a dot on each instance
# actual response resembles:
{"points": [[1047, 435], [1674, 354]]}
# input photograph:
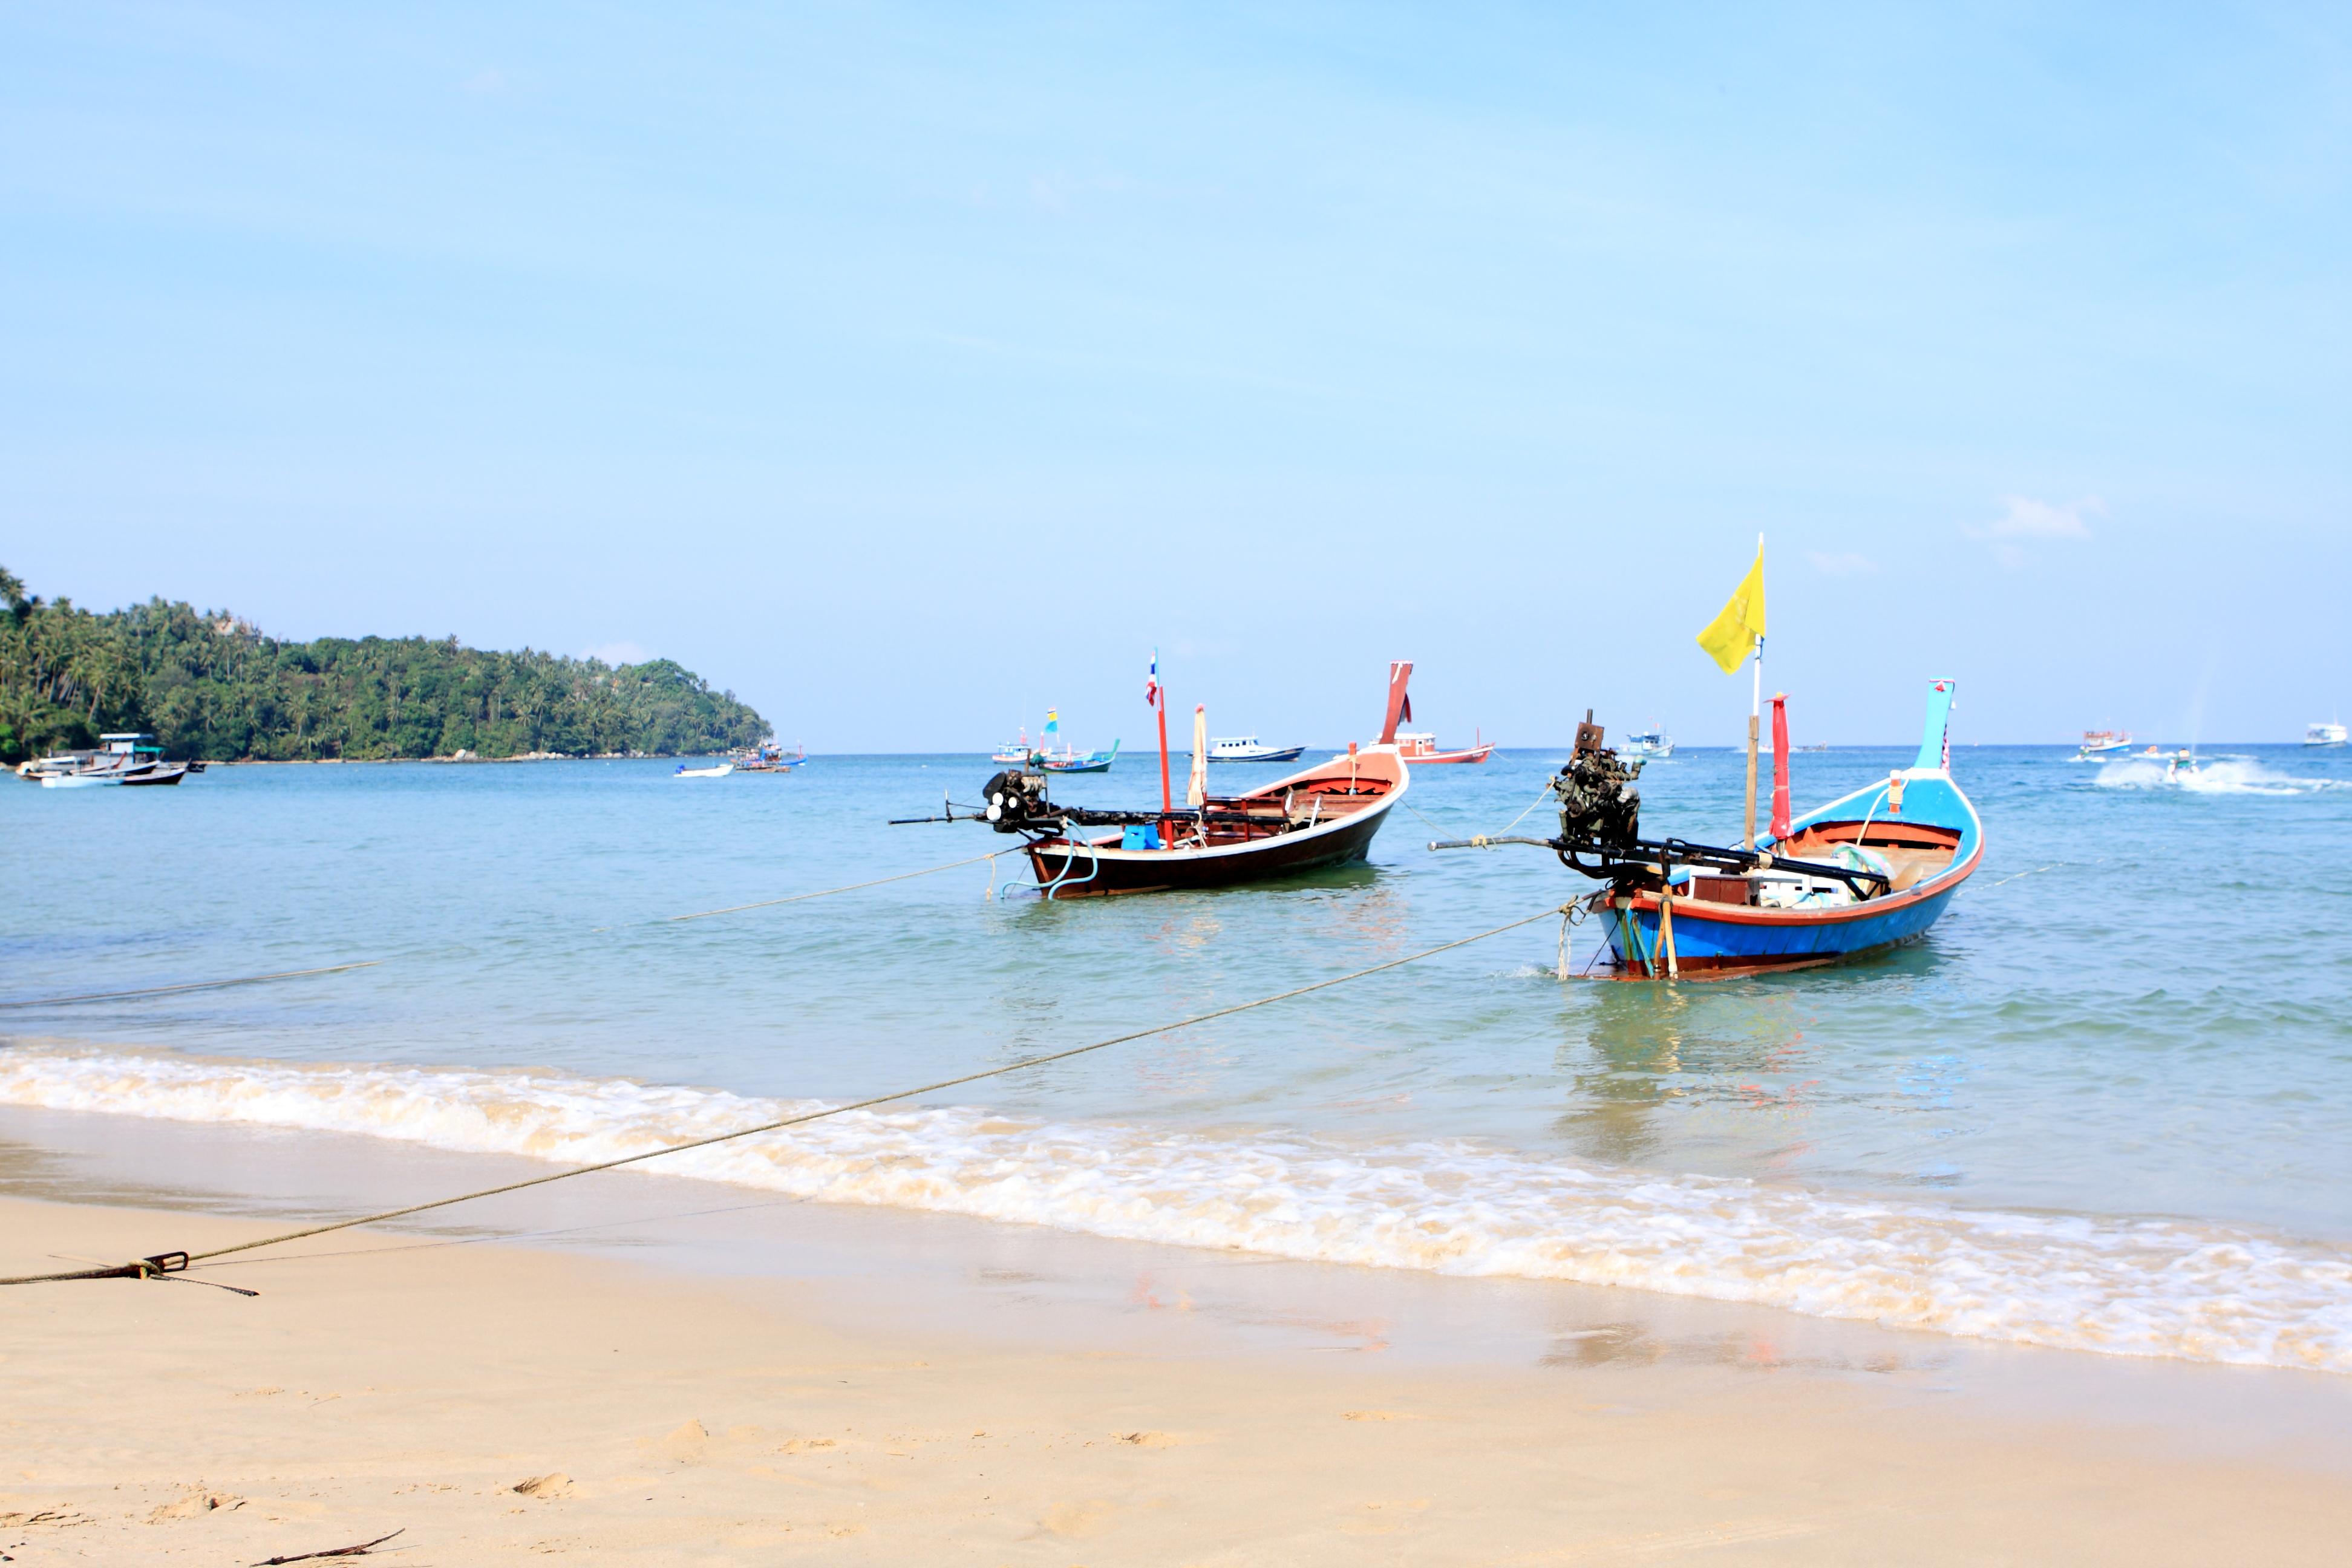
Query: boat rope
{"points": [[1541, 795], [145, 991], [193, 985], [163, 1264], [828, 892]]}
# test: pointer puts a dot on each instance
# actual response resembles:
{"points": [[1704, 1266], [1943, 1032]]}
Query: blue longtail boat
{"points": [[1870, 870]]}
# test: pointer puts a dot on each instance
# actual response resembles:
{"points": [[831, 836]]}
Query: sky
{"points": [[907, 368]]}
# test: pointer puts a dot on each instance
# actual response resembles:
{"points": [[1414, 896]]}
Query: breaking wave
{"points": [[2225, 775], [2121, 1287]]}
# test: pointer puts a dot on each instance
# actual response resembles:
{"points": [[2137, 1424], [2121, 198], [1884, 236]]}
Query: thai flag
{"points": [[1152, 682]]}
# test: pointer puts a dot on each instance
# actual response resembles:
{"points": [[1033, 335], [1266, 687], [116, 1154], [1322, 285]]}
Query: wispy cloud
{"points": [[2024, 518], [1846, 564], [618, 653]]}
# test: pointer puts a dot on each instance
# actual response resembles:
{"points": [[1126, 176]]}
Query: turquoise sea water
{"points": [[2123, 1055]]}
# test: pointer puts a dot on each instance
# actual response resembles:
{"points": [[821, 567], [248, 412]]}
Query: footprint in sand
{"points": [[553, 1484], [1150, 1440], [1375, 1415], [1076, 1520], [689, 1444], [196, 1504]]}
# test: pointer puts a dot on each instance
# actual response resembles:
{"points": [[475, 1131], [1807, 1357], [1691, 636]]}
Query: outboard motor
{"points": [[1600, 809], [1015, 798]]}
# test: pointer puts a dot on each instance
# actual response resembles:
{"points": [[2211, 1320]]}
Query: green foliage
{"points": [[208, 685]]}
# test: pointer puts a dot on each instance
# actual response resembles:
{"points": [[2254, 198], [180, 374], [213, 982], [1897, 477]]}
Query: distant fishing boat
{"points": [[1016, 751], [1327, 814], [2102, 744], [768, 757], [1069, 761], [125, 758], [1247, 749], [2330, 733], [1421, 750], [720, 772], [1653, 742]]}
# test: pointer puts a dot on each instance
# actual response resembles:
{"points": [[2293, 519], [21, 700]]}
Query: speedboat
{"points": [[1247, 749], [2102, 744], [2330, 733], [720, 772]]}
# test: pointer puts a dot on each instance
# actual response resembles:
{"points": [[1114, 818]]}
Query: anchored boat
{"points": [[1324, 815], [1247, 749], [128, 758], [1869, 870]]}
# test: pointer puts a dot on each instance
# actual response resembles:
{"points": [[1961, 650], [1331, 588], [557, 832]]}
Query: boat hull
{"points": [[1072, 873], [1471, 755], [1367, 785], [1722, 943], [1283, 754]]}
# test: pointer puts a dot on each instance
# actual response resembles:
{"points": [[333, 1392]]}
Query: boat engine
{"points": [[1015, 798], [1600, 809]]}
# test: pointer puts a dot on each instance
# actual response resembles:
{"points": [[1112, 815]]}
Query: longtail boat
{"points": [[1868, 872], [1324, 815]]}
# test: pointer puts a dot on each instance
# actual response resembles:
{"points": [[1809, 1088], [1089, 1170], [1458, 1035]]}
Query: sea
{"points": [[2105, 1106]]}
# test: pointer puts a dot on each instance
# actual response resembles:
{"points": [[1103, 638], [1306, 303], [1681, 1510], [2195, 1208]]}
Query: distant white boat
{"points": [[1247, 749], [720, 772], [2329, 734], [1653, 742]]}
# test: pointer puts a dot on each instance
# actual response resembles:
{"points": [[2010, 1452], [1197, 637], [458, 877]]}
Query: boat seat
{"points": [[1913, 867]]}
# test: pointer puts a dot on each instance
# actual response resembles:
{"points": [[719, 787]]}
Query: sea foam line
{"points": [[2153, 1287]]}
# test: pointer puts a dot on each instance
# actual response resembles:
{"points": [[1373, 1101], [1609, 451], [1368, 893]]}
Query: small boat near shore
{"points": [[1324, 816], [719, 771], [1870, 870]]}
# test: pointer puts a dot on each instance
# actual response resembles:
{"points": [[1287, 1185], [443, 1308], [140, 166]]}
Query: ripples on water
{"points": [[2135, 1009]]}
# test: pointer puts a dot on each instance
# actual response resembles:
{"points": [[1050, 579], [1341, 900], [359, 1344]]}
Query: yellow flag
{"points": [[1731, 637]]}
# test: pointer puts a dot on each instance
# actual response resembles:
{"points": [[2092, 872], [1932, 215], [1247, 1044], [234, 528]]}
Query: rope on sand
{"points": [[193, 985], [165, 1264]]}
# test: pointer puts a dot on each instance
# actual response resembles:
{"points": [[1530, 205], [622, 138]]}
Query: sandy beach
{"points": [[494, 1403]]}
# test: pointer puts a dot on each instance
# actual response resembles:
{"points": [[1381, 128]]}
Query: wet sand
{"points": [[849, 1387]]}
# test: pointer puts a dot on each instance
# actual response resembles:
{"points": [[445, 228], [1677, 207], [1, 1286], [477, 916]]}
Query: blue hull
{"points": [[1919, 806]]}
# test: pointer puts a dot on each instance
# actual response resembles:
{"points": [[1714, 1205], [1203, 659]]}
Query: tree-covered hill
{"points": [[209, 685]]}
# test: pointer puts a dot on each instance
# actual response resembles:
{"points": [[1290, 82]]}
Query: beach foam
{"points": [[2154, 1288]]}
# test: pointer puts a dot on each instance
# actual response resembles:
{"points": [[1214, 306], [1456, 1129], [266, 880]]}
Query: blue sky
{"points": [[907, 368]]}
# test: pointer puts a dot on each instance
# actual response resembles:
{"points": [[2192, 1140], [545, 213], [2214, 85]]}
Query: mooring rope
{"points": [[824, 893], [372, 962], [163, 1264], [193, 985]]}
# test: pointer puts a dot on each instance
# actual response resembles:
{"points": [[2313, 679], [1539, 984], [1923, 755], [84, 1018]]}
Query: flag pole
{"points": [[1167, 800], [1755, 710]]}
